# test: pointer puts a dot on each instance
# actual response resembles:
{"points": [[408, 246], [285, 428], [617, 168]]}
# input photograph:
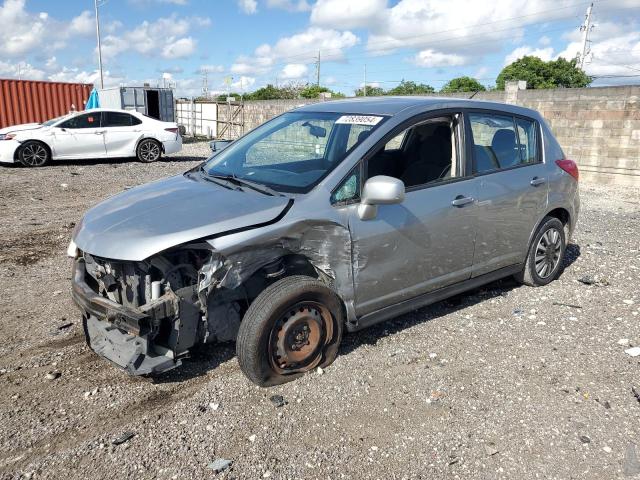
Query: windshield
{"points": [[294, 151], [48, 123]]}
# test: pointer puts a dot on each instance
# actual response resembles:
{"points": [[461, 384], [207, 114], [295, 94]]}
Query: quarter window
{"points": [[528, 140], [500, 141], [349, 190]]}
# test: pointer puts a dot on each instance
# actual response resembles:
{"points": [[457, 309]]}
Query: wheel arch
{"points": [[16, 154], [149, 137], [561, 214]]}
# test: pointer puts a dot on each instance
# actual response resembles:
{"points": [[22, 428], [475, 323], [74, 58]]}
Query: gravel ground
{"points": [[504, 382]]}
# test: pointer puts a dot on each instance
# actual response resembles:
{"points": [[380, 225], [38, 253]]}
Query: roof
{"points": [[394, 105]]}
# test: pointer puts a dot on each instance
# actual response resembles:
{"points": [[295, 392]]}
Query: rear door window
{"points": [[502, 141], [116, 119]]}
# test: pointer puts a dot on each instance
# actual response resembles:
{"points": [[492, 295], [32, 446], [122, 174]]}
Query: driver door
{"points": [[427, 241], [81, 136]]}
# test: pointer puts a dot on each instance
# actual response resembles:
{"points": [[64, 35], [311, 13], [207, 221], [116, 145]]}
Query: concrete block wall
{"points": [[598, 127]]}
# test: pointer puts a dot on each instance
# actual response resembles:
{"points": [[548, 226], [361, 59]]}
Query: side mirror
{"points": [[379, 190]]}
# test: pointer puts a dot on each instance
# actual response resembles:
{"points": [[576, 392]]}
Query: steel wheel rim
{"points": [[547, 254], [298, 337], [149, 151], [34, 155]]}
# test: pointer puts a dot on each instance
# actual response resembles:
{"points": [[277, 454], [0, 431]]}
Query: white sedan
{"points": [[98, 133]]}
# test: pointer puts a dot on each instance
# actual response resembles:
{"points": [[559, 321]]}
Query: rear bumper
{"points": [[7, 150], [121, 335], [173, 146]]}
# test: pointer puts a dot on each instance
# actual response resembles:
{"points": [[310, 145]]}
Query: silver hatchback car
{"points": [[332, 216]]}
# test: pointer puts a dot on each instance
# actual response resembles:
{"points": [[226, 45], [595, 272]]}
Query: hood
{"points": [[148, 219], [20, 128]]}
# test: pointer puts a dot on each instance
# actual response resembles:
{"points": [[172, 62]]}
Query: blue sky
{"points": [[254, 42]]}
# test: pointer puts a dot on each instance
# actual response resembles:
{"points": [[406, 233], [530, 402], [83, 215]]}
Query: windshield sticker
{"points": [[359, 120]]}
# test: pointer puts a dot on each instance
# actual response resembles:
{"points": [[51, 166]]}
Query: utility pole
{"points": [[205, 83], [318, 70], [95, 3], [585, 28], [364, 88]]}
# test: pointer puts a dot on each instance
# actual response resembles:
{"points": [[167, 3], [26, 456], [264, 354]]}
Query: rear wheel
{"points": [[148, 150], [292, 327], [544, 260], [34, 154]]}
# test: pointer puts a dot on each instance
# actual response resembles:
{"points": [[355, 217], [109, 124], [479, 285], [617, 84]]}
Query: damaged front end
{"points": [[145, 316]]}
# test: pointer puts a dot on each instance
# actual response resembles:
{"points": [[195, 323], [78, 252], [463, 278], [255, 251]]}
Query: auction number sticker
{"points": [[359, 120]]}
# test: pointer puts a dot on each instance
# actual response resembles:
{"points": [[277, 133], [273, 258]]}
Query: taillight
{"points": [[569, 166], [172, 130]]}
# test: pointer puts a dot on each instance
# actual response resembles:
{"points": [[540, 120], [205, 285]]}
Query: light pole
{"points": [[95, 2]]}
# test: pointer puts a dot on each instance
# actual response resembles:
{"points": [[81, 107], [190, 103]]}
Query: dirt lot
{"points": [[505, 382]]}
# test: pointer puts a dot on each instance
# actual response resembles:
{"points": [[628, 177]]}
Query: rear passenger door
{"points": [[121, 133], [513, 189]]}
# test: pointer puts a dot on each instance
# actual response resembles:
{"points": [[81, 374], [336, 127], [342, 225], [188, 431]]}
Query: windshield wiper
{"points": [[258, 187]]}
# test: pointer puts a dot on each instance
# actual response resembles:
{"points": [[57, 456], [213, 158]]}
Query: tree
{"points": [[411, 88], [371, 92], [462, 84], [541, 74], [314, 91], [223, 97], [269, 93]]}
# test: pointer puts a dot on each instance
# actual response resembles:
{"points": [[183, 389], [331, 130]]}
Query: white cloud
{"points": [[466, 29], [21, 70], [248, 6], [300, 48], [181, 48], [294, 71], [545, 54], [290, 5], [481, 73], [243, 84], [544, 40], [432, 58], [21, 31], [615, 50], [346, 14], [83, 24], [164, 37], [211, 68]]}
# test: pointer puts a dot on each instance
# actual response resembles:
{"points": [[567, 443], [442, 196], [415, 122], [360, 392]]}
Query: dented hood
{"points": [[21, 128], [148, 219]]}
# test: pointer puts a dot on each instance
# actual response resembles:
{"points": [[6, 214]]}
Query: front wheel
{"points": [[292, 327], [546, 253], [148, 151], [34, 154]]}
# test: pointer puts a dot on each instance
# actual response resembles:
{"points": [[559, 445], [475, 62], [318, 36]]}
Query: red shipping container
{"points": [[30, 101]]}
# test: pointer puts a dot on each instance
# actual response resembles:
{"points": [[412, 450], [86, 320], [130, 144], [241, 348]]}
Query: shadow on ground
{"points": [[204, 358]]}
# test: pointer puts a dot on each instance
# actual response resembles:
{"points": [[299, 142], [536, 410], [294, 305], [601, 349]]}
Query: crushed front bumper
{"points": [[117, 333]]}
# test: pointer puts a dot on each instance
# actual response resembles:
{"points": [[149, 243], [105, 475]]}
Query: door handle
{"points": [[535, 181], [101, 132], [461, 201]]}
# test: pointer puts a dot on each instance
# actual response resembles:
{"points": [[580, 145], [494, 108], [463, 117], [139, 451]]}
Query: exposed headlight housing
{"points": [[72, 249]]}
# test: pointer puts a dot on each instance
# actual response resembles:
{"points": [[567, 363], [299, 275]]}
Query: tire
{"points": [[547, 249], [34, 154], [294, 309], [148, 151]]}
